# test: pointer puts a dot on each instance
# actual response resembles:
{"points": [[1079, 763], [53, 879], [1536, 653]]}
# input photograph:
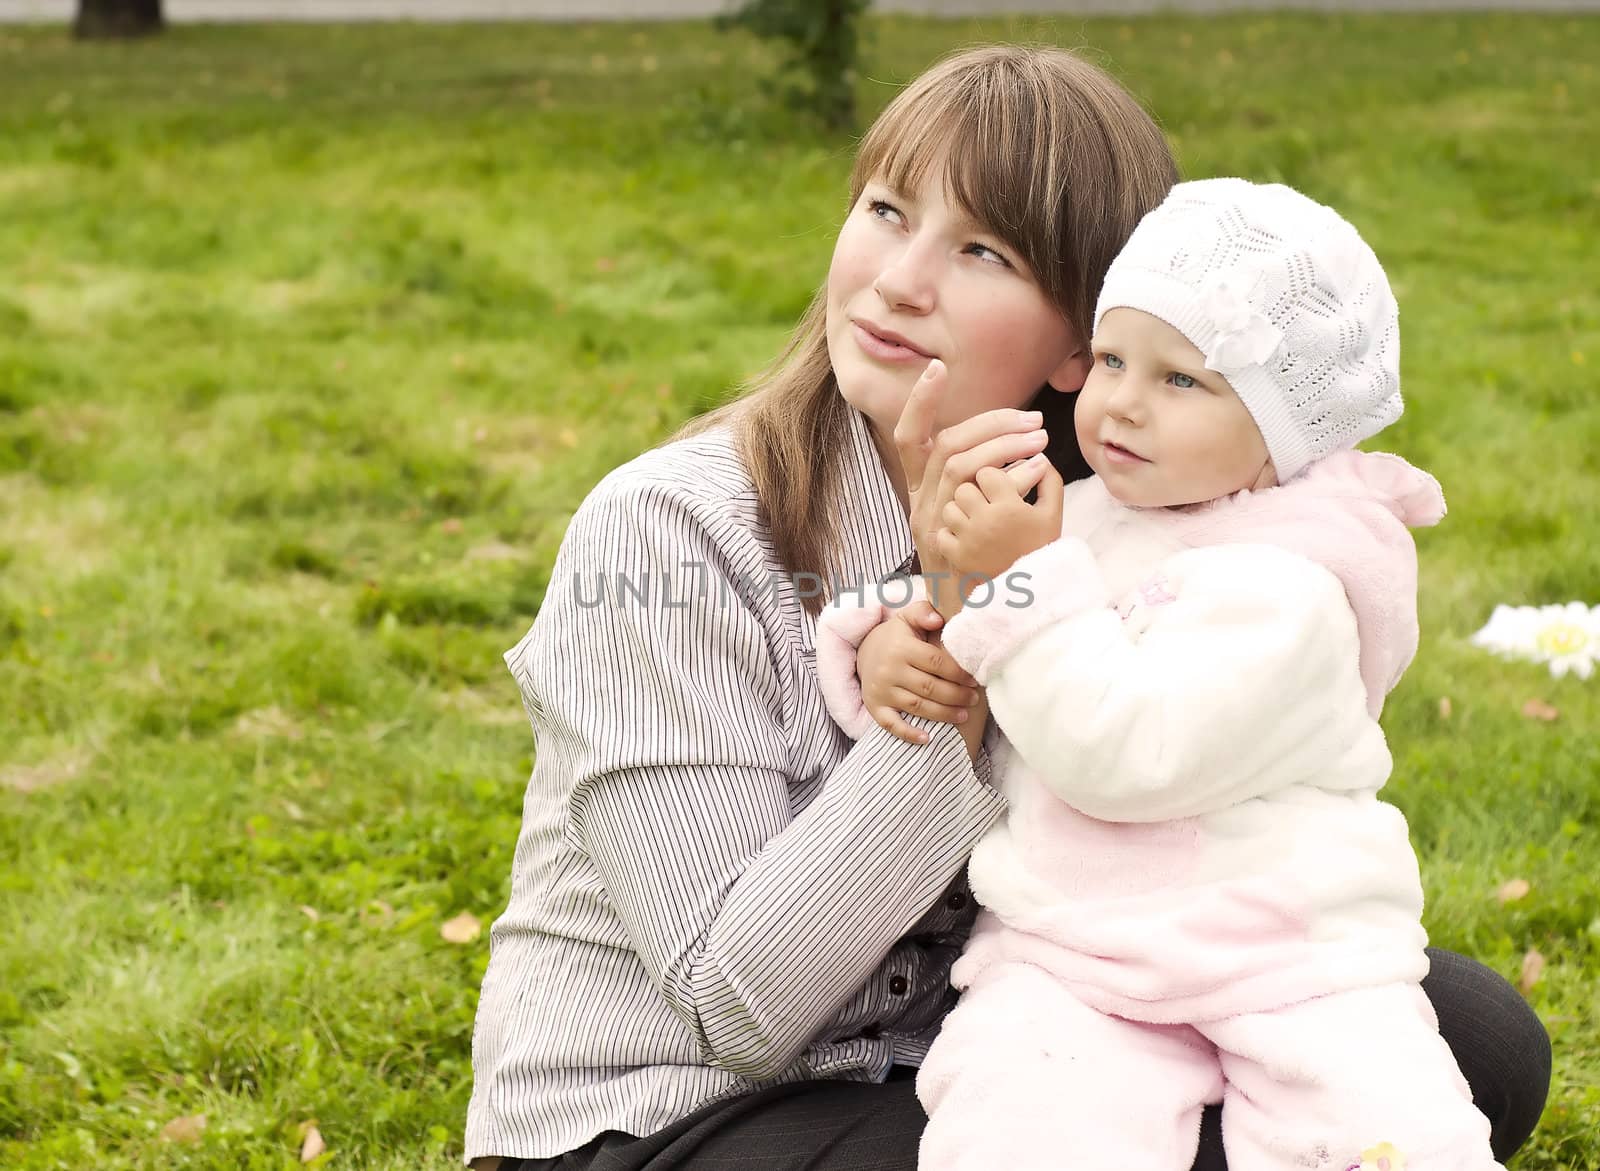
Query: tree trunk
{"points": [[117, 18]]}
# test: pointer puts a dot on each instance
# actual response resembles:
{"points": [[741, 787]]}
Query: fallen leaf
{"points": [[1538, 709], [1444, 707], [494, 551], [464, 928], [451, 525], [1513, 890], [30, 778], [312, 1145], [186, 1129], [1532, 969], [376, 732], [263, 722], [310, 913]]}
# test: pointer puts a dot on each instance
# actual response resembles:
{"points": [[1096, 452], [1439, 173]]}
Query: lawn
{"points": [[311, 339]]}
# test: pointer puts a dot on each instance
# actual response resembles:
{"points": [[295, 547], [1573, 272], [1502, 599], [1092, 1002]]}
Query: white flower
{"points": [[1566, 637], [1569, 638], [1510, 632], [1244, 335]]}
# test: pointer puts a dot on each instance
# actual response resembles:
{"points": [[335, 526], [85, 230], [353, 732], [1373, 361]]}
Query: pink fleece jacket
{"points": [[1191, 754], [1349, 512]]}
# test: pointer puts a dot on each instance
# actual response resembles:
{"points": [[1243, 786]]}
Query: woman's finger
{"points": [[964, 465], [982, 428], [998, 436], [1026, 474], [913, 431]]}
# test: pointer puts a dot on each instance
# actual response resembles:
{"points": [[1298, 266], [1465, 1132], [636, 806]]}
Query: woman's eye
{"points": [[1113, 362], [984, 252], [1183, 380], [884, 211]]}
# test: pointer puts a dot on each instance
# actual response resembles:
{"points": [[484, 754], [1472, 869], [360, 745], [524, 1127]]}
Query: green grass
{"points": [[310, 341]]}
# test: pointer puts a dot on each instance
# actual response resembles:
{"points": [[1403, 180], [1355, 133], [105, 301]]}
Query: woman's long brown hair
{"points": [[1048, 152]]}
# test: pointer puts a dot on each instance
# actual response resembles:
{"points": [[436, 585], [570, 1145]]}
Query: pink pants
{"points": [[1026, 1077]]}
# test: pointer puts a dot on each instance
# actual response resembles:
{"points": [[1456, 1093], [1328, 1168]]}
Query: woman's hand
{"points": [[904, 670], [988, 526], [935, 465]]}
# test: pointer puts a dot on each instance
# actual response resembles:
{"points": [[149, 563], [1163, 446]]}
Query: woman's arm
{"points": [[759, 921], [1240, 679]]}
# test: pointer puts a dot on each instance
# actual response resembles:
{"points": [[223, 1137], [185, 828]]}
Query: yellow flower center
{"points": [[1563, 638]]}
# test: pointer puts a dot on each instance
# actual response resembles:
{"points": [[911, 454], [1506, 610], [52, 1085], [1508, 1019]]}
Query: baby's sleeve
{"points": [[841, 628], [1241, 679]]}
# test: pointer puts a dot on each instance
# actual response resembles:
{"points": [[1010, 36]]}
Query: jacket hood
{"points": [[1352, 513]]}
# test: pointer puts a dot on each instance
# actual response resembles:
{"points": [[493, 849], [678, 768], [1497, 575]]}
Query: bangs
{"points": [[998, 142], [1043, 150]]}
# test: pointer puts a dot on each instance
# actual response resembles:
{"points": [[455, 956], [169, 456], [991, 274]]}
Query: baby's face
{"points": [[1158, 427]]}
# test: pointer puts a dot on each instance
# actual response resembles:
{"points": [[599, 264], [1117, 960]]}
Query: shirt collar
{"points": [[874, 532]]}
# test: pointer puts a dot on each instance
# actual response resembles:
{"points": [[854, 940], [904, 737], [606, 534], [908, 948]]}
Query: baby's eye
{"points": [[1183, 380], [1113, 362]]}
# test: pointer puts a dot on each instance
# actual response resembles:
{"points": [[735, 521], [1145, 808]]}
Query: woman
{"points": [[730, 929]]}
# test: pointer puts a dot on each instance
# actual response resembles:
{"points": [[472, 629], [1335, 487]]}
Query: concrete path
{"points": [[181, 11]]}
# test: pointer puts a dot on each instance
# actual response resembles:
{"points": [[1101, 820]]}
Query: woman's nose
{"points": [[907, 281]]}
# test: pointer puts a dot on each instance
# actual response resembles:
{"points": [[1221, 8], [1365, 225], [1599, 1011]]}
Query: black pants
{"points": [[1497, 1039]]}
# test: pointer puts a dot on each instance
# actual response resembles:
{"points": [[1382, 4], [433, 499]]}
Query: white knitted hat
{"points": [[1285, 300]]}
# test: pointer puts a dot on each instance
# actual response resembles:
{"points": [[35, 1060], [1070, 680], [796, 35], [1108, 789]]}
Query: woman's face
{"points": [[913, 278]]}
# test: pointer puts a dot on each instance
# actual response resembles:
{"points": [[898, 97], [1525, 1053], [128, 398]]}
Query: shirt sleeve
{"points": [[1240, 680], [754, 922]]}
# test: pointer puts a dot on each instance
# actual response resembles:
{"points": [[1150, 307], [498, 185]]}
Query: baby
{"points": [[1196, 895]]}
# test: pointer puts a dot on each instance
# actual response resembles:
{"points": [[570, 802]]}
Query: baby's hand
{"points": [[903, 670], [988, 526]]}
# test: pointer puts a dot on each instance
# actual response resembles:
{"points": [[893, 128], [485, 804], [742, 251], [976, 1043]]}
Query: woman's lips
{"points": [[1121, 455], [885, 349]]}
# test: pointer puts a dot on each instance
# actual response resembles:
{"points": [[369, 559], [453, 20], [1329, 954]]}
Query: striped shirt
{"points": [[714, 888]]}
